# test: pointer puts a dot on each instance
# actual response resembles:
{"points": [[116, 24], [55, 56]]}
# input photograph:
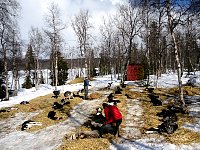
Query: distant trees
{"points": [[162, 35]]}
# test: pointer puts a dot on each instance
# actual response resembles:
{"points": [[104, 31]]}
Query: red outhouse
{"points": [[134, 72]]}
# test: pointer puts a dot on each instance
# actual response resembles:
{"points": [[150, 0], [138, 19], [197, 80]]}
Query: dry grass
{"points": [[187, 90], [181, 135], [94, 95], [94, 143], [77, 80], [86, 144], [44, 104]]}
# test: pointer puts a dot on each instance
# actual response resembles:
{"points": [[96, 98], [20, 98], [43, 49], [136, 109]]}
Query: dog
{"points": [[113, 101], [109, 85], [24, 102], [154, 100], [83, 135], [78, 94], [28, 124], [118, 90], [150, 90], [166, 127], [64, 102], [111, 96], [98, 116], [123, 85], [51, 115], [68, 95], [176, 109], [167, 115], [169, 124], [56, 105]]}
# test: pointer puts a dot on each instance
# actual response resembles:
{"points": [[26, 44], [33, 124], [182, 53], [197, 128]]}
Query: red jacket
{"points": [[112, 114]]}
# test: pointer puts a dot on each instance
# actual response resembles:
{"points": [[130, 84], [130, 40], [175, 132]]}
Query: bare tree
{"points": [[54, 33], [107, 33], [173, 22], [8, 14], [81, 27], [129, 24], [16, 57], [37, 42]]}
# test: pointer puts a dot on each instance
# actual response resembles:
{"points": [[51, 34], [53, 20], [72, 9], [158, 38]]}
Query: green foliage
{"points": [[62, 71], [104, 64], [141, 73], [27, 84], [41, 78], [1, 67], [145, 67], [30, 59]]}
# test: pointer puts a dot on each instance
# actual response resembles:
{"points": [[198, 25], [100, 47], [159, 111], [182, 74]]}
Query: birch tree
{"points": [[8, 22], [55, 26], [82, 27], [37, 41], [173, 22]]}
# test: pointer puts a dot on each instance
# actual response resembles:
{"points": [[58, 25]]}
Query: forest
{"points": [[161, 35]]}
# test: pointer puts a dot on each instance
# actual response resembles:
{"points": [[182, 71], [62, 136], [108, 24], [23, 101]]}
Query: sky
{"points": [[33, 13]]}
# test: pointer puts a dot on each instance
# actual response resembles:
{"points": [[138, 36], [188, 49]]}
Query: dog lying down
{"points": [[83, 134], [166, 127], [29, 123]]}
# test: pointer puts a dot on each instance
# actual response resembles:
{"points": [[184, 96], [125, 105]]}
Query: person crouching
{"points": [[113, 120]]}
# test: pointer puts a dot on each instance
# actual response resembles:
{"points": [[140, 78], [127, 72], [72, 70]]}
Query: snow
{"points": [[51, 137]]}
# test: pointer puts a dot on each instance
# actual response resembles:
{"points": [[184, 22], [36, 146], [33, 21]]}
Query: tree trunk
{"points": [[178, 69], [179, 72]]}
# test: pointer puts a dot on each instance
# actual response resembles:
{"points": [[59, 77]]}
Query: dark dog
{"points": [[24, 102], [111, 96], [51, 115], [56, 105], [167, 115], [150, 90], [176, 109], [154, 100], [113, 101], [64, 102], [123, 85], [166, 127], [118, 90]]}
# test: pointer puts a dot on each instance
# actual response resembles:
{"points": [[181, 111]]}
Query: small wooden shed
{"points": [[134, 72]]}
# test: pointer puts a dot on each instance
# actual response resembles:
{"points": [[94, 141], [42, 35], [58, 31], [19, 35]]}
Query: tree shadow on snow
{"points": [[131, 143]]}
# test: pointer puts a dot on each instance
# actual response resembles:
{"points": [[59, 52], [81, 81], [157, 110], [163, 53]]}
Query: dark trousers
{"points": [[105, 129], [109, 128], [86, 92], [118, 122]]}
